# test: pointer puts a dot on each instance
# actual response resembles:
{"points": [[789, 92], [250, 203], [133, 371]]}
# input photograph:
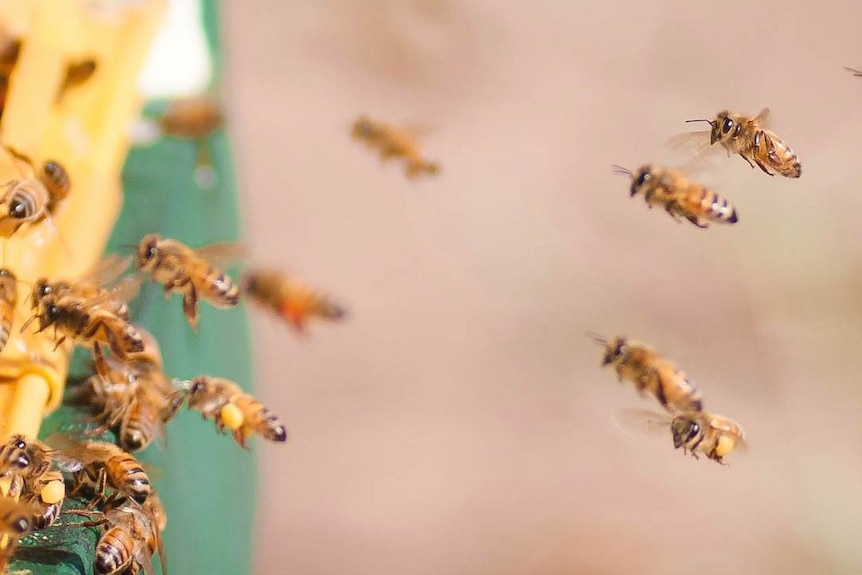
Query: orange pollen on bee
{"points": [[231, 416], [725, 445], [53, 492]]}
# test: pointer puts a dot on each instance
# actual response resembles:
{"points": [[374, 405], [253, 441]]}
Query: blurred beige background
{"points": [[459, 422]]}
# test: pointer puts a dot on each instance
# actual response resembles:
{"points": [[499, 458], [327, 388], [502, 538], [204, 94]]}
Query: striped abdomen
{"points": [[141, 423], [261, 419], [114, 551], [8, 300], [703, 203], [671, 387], [771, 153], [218, 289], [126, 474]]}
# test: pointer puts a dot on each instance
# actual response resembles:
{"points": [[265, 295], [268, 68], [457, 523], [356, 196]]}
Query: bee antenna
{"points": [[710, 122], [597, 338], [128, 246], [622, 170], [854, 70], [28, 322]]}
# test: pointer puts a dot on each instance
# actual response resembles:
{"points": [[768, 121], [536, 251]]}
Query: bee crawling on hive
{"points": [[394, 142], [31, 200], [231, 408], [131, 535]]}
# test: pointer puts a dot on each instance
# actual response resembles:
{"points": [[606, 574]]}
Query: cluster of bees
{"points": [[129, 393]]}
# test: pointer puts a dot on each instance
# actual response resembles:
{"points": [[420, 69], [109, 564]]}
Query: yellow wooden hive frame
{"points": [[88, 132]]}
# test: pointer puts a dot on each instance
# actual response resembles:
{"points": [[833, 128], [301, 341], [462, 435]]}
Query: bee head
{"points": [[148, 250], [684, 430], [363, 128], [41, 289], [615, 348], [722, 126], [5, 273], [21, 459], [19, 206]]}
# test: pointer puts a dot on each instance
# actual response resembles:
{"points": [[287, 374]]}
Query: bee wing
{"points": [[689, 143], [109, 269], [222, 254], [126, 289], [72, 453], [642, 421], [760, 118]]}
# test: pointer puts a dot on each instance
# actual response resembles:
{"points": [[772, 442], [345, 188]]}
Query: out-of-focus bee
{"points": [[76, 74], [714, 436], [192, 118], [100, 465], [288, 298], [642, 365], [679, 196], [747, 137], [231, 408], [8, 301], [10, 48], [31, 200], [189, 271], [393, 142]]}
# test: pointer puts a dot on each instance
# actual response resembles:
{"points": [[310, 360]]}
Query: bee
{"points": [[76, 74], [230, 407], [747, 137], [188, 271], [86, 323], [714, 436], [8, 301], [191, 118], [13, 456], [288, 298], [138, 402], [132, 534], [31, 200], [102, 465], [46, 500], [14, 518], [650, 373], [92, 288], [393, 142], [679, 196]]}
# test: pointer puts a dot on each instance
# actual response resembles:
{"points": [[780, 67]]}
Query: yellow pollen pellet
{"points": [[231, 416], [53, 492], [725, 445]]}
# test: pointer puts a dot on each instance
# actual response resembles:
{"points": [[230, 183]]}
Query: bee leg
{"points": [[101, 484], [100, 363], [190, 306], [59, 342], [762, 167], [239, 437], [696, 221]]}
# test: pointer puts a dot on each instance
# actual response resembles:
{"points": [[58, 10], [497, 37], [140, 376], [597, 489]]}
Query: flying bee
{"points": [[650, 373], [230, 407], [288, 298], [188, 271], [393, 142], [192, 118], [101, 465], [679, 196], [714, 436], [747, 137]]}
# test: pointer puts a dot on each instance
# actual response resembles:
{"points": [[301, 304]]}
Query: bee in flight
{"points": [[189, 271], [747, 137], [650, 373], [394, 142], [679, 196], [288, 298], [714, 436], [231, 408]]}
